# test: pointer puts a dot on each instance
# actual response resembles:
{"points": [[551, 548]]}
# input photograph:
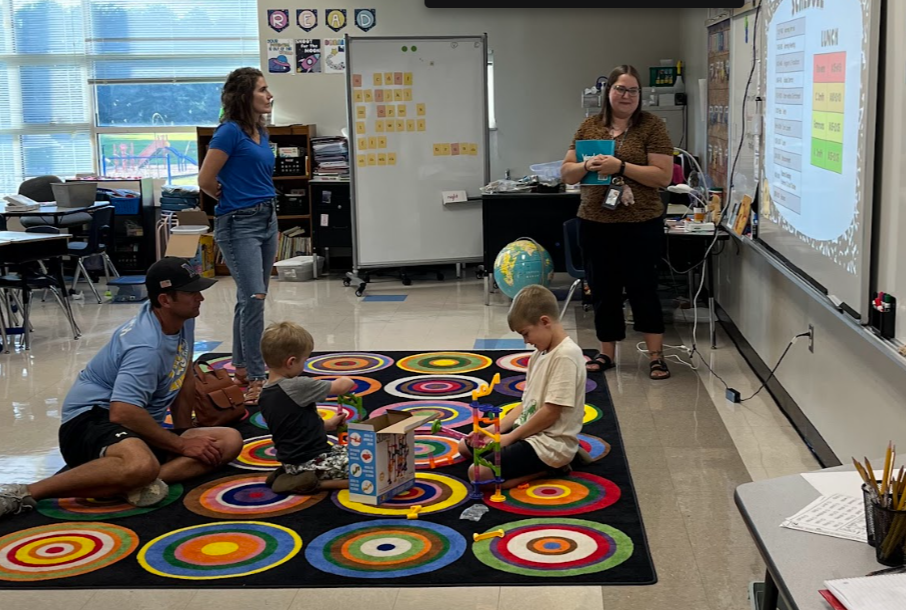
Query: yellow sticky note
{"points": [[464, 148], [436, 149], [379, 126], [376, 79], [361, 161], [388, 78], [410, 125], [401, 125], [368, 97], [392, 158], [382, 141], [388, 95], [420, 109], [382, 159], [407, 95], [398, 95], [401, 109], [389, 111], [372, 159], [360, 110], [445, 150], [407, 78], [360, 127], [473, 149], [362, 143], [358, 96], [389, 125], [420, 125], [372, 143]]}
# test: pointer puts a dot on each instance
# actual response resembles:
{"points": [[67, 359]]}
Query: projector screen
{"points": [[820, 70]]}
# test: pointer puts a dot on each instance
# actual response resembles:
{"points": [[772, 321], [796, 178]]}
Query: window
{"points": [[492, 123], [89, 85]]}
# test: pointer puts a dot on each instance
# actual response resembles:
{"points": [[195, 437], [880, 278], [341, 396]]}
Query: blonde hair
{"points": [[529, 305], [282, 340]]}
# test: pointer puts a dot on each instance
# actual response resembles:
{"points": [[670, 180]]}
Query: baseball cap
{"points": [[173, 273]]}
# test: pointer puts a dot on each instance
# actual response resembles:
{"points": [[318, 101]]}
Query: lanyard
{"points": [[622, 138]]}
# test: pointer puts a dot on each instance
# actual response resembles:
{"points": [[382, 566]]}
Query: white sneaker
{"points": [[149, 495], [14, 499]]}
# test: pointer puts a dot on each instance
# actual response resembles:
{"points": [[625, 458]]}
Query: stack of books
{"points": [[291, 243], [332, 159]]}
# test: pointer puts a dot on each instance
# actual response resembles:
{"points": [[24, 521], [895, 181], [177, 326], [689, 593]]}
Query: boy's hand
{"points": [[477, 440], [332, 423]]}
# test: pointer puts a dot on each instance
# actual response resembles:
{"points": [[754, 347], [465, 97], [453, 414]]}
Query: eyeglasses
{"points": [[622, 91]]}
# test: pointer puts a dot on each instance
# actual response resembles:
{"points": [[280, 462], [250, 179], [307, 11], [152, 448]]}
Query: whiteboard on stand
{"points": [[418, 117]]}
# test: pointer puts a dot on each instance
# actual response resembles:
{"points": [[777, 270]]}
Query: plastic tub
{"points": [[547, 171], [299, 268], [125, 205]]}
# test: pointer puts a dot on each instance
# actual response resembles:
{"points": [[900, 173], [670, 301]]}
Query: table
{"points": [[18, 247], [52, 210], [797, 563]]}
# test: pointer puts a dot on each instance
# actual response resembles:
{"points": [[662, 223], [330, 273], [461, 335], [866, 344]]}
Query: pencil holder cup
{"points": [[867, 507], [888, 528]]}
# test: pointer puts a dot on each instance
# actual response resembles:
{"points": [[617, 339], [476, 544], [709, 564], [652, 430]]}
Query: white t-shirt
{"points": [[557, 377]]}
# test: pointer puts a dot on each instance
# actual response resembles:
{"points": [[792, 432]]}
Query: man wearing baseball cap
{"points": [[111, 434]]}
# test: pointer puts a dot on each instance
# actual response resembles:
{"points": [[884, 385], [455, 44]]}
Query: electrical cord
{"points": [[781, 359]]}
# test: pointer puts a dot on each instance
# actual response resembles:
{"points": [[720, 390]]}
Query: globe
{"points": [[520, 264]]}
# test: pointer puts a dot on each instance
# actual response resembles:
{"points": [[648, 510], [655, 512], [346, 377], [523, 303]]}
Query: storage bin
{"points": [[126, 205], [299, 268]]}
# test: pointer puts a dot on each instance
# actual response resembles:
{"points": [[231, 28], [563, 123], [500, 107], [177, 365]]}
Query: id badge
{"points": [[612, 197]]}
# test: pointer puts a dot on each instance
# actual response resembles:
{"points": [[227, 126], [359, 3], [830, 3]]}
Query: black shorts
{"points": [[519, 460], [87, 436]]}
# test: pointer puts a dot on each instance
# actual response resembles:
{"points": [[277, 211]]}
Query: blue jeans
{"points": [[248, 240]]}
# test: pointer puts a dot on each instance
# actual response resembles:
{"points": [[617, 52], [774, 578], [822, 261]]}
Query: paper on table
{"points": [[885, 592], [835, 515], [828, 483]]}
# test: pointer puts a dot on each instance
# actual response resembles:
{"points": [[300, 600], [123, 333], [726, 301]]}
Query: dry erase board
{"points": [[418, 128]]}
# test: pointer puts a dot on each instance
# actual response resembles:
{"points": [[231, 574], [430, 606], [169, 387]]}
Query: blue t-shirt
{"points": [[245, 179], [140, 366]]}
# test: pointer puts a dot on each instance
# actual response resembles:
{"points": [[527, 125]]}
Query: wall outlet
{"points": [[812, 338]]}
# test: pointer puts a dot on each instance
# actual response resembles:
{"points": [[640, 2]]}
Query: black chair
{"points": [[100, 235], [573, 254], [40, 190]]}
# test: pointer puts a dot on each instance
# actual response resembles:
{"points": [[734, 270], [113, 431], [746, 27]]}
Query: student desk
{"points": [[53, 211], [798, 563]]}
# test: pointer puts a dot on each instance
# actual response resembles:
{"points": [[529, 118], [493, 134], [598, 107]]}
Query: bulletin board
{"points": [[719, 102]]}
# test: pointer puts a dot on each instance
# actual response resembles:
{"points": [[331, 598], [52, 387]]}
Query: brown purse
{"points": [[218, 401]]}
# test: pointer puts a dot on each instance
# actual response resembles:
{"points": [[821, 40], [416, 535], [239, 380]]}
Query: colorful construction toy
{"points": [[490, 415], [488, 535], [350, 400]]}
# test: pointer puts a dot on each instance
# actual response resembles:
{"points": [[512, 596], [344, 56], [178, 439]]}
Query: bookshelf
{"points": [[291, 180]]}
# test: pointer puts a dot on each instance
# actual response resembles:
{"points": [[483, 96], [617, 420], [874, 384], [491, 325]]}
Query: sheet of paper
{"points": [[836, 515], [884, 592], [829, 483]]}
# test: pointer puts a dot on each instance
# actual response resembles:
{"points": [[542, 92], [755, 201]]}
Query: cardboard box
{"points": [[382, 463], [198, 248]]}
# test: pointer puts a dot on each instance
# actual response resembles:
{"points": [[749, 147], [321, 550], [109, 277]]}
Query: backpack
{"points": [[218, 401]]}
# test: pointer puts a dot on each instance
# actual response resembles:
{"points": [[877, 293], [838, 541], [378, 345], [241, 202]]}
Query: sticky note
{"points": [[420, 109], [373, 143], [398, 95], [358, 96], [372, 159], [382, 159], [392, 158], [401, 125], [410, 125], [360, 112], [390, 125], [361, 161], [464, 148], [407, 78], [455, 149], [357, 80], [388, 95], [379, 126], [376, 79], [388, 78], [361, 143], [382, 141], [420, 124], [368, 97], [379, 95], [401, 109], [407, 95], [436, 149], [380, 111], [360, 127], [389, 109], [473, 149], [445, 150], [398, 78]]}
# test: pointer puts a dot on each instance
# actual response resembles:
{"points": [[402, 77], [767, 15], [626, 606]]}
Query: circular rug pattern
{"points": [[347, 363], [434, 492], [101, 509], [442, 363], [258, 420], [439, 447], [220, 550], [596, 447], [61, 550], [515, 362], [442, 387], [224, 362], [515, 385], [325, 410], [258, 453], [243, 497], [363, 386], [579, 493], [451, 413], [386, 548], [554, 548], [591, 413]]}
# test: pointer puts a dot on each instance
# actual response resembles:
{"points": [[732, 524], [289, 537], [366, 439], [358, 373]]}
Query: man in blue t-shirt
{"points": [[111, 435]]}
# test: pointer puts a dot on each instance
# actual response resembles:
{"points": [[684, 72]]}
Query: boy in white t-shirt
{"points": [[541, 433]]}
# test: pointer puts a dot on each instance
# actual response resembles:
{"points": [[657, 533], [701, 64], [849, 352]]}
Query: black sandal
{"points": [[601, 362], [658, 365]]}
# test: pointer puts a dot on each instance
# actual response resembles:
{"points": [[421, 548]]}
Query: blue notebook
{"points": [[586, 149]]}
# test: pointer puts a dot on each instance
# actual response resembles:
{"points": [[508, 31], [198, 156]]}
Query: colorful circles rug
{"points": [[519, 362], [347, 363], [433, 492], [450, 413], [555, 547], [220, 550], [579, 493], [516, 384], [245, 497], [590, 412], [597, 448], [325, 410], [437, 450], [386, 548], [363, 386], [443, 363], [258, 453], [442, 387], [101, 509], [63, 550]]}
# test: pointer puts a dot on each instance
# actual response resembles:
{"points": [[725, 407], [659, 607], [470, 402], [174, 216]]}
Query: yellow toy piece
{"points": [[485, 390], [414, 512], [488, 535]]}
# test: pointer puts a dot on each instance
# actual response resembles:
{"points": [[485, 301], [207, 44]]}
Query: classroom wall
{"points": [[853, 393], [694, 52], [543, 59]]}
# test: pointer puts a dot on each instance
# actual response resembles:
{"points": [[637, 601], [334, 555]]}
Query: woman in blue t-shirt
{"points": [[237, 171]]}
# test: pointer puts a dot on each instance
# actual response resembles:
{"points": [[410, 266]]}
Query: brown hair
{"points": [[606, 99], [529, 305], [282, 340], [236, 99]]}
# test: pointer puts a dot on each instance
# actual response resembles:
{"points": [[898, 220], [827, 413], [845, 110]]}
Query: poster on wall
{"points": [[334, 56], [308, 56], [281, 55], [307, 19], [719, 99], [335, 18], [278, 19], [366, 18]]}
